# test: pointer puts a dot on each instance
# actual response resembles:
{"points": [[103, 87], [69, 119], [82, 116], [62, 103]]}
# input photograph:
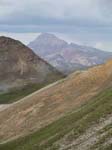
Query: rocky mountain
{"points": [[67, 57], [74, 113], [20, 66]]}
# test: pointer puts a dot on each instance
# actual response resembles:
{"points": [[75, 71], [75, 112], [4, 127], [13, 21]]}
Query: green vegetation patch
{"points": [[16, 94]]}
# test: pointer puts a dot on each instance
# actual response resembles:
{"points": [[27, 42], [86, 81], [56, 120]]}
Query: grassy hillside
{"points": [[73, 125], [18, 93]]}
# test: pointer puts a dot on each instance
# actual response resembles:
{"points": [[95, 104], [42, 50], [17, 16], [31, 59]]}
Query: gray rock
{"points": [[67, 57]]}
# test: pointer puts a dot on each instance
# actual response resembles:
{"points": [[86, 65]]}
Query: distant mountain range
{"points": [[67, 57], [20, 66]]}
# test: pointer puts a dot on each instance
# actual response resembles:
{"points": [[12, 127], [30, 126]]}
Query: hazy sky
{"points": [[87, 22]]}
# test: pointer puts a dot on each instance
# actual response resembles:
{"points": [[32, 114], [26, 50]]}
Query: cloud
{"points": [[61, 12], [85, 21], [24, 37]]}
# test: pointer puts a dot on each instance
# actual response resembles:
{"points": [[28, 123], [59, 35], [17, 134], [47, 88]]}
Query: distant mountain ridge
{"points": [[20, 66], [67, 57]]}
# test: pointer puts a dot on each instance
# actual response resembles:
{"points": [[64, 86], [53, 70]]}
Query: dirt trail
{"points": [[2, 107]]}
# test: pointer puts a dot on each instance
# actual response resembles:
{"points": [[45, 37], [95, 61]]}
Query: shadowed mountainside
{"points": [[21, 68]]}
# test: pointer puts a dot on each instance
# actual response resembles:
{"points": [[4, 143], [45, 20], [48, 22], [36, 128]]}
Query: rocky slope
{"points": [[20, 66], [67, 57], [55, 101]]}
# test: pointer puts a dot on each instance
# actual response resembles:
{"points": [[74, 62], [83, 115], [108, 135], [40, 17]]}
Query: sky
{"points": [[86, 22]]}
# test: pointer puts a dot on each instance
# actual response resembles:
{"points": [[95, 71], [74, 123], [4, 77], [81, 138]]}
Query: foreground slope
{"points": [[49, 104], [21, 68], [67, 57], [88, 127]]}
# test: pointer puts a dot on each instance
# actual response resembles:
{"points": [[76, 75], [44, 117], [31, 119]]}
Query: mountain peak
{"points": [[8, 41], [46, 35], [47, 41], [4, 38], [49, 37]]}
